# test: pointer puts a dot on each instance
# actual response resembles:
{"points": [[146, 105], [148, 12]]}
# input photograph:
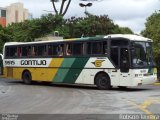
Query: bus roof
{"points": [[127, 36], [130, 37]]}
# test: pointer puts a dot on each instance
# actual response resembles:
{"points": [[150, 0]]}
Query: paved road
{"points": [[15, 97]]}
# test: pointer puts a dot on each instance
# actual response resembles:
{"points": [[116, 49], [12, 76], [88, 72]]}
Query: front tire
{"points": [[27, 78], [102, 82]]}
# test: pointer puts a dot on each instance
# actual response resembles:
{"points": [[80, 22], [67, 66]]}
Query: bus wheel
{"points": [[27, 79], [103, 82]]}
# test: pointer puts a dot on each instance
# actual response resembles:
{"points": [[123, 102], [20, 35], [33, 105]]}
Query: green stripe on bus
{"points": [[75, 70], [63, 69]]}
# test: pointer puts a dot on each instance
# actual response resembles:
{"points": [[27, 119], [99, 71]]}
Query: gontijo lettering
{"points": [[33, 62]]}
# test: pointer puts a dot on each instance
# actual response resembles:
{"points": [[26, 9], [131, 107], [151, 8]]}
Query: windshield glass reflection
{"points": [[142, 55]]}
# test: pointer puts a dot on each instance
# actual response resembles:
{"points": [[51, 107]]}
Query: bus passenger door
{"points": [[115, 55], [125, 76]]}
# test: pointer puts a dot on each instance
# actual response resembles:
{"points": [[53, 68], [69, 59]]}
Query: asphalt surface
{"points": [[42, 98]]}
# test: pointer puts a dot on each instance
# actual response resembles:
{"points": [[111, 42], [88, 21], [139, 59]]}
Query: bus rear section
{"points": [[1, 64]]}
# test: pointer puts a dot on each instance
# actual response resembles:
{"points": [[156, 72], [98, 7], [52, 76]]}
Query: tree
{"points": [[5, 36], [90, 25], [62, 10], [152, 30], [29, 30], [63, 7], [125, 30]]}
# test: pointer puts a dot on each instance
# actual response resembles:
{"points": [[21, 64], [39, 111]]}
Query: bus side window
{"points": [[124, 60], [97, 48], [50, 50], [7, 52], [94, 48], [77, 49], [53, 50], [29, 51], [115, 55], [34, 51], [105, 47], [24, 51], [68, 49], [42, 50], [60, 50], [89, 48], [19, 52], [13, 52]]}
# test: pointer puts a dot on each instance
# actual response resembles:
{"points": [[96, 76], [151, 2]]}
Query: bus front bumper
{"points": [[144, 80]]}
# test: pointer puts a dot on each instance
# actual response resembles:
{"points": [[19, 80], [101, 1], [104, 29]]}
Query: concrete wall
{"points": [[3, 21], [16, 13], [2, 17]]}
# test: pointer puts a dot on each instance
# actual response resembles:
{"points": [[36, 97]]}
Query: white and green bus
{"points": [[114, 60]]}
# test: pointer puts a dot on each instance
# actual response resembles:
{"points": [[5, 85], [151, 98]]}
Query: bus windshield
{"points": [[142, 55]]}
